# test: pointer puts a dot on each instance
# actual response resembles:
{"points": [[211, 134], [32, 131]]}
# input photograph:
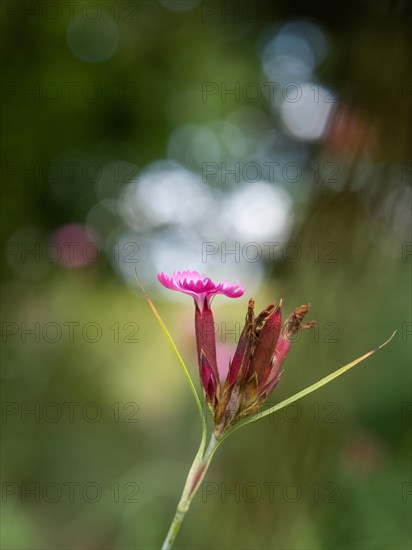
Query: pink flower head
{"points": [[200, 287], [203, 290]]}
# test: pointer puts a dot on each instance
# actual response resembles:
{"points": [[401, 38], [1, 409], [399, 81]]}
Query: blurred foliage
{"points": [[346, 449]]}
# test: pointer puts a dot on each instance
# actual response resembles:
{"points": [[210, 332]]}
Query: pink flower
{"points": [[255, 370], [203, 290], [200, 287]]}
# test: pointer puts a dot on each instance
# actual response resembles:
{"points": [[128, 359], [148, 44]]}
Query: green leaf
{"points": [[306, 391], [182, 364]]}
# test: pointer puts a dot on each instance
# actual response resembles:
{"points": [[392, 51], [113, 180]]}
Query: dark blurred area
{"points": [[261, 141]]}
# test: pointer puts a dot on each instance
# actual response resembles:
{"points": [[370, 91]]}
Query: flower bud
{"points": [[256, 366]]}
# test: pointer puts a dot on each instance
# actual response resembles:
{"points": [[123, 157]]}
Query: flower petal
{"points": [[199, 286]]}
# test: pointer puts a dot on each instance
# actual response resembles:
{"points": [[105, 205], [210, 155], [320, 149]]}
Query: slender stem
{"points": [[194, 479]]}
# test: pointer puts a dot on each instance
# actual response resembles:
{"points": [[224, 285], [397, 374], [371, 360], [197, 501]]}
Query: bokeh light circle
{"points": [[93, 41]]}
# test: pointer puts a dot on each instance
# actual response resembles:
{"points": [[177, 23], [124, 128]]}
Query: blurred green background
{"points": [[266, 142]]}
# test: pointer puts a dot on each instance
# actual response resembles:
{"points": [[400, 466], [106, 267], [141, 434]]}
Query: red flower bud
{"points": [[206, 353], [256, 366]]}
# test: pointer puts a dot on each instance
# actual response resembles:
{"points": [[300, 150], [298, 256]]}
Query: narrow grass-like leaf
{"points": [[306, 391], [182, 363]]}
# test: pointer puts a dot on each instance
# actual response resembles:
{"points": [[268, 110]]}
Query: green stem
{"points": [[193, 481]]}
